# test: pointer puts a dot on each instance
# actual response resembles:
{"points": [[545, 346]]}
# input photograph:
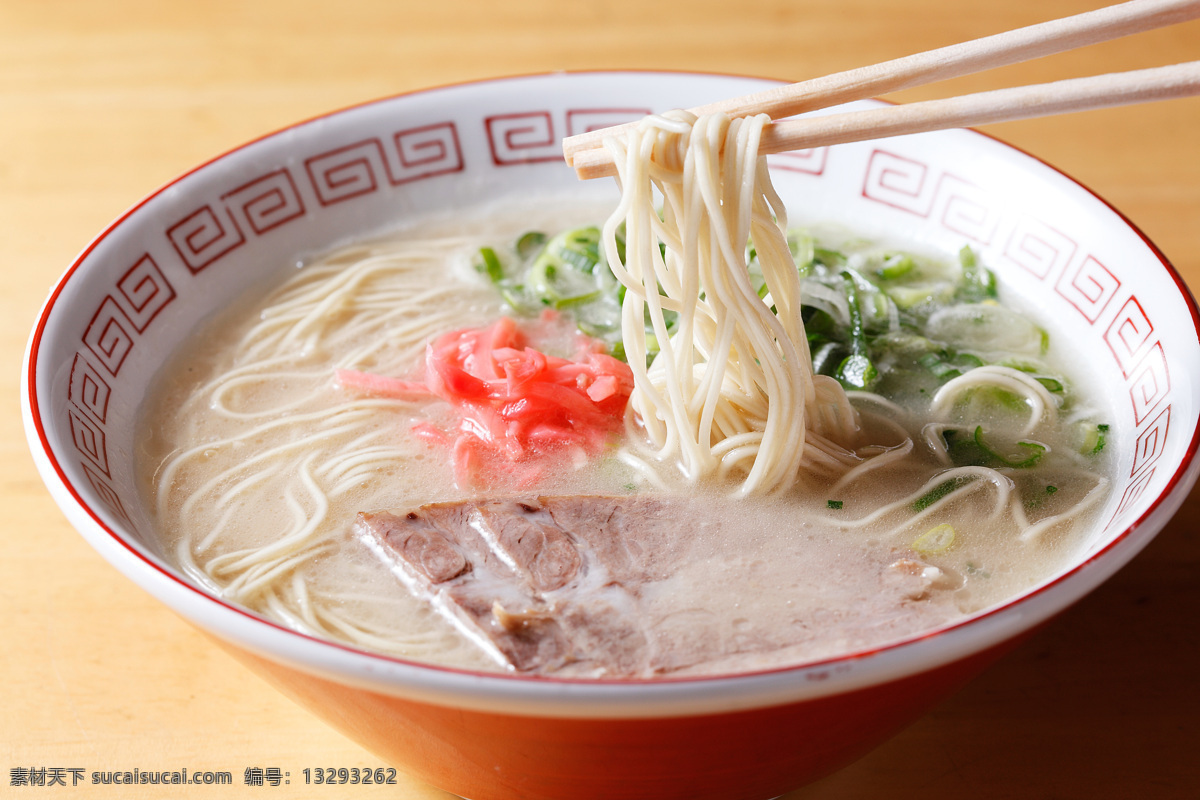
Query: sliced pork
{"points": [[643, 585]]}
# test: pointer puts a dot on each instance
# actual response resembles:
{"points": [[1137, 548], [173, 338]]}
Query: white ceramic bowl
{"points": [[190, 248]]}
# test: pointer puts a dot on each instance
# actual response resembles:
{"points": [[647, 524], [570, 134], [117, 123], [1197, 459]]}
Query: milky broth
{"points": [[257, 463]]}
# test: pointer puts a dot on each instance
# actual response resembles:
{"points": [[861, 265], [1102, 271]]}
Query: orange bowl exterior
{"points": [[491, 756]]}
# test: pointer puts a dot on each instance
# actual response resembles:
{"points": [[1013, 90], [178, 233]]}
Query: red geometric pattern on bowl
{"points": [[1150, 384], [266, 202], [108, 336], [1038, 248], [583, 120], [1151, 441], [1129, 335], [427, 151], [532, 137], [809, 162], [345, 172], [525, 138], [362, 167], [146, 292], [110, 498], [88, 438], [87, 390], [1089, 287], [965, 210], [899, 182], [205, 235], [1135, 489]]}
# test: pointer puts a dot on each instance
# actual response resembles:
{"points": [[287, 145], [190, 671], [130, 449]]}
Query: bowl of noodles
{"points": [[696, 483]]}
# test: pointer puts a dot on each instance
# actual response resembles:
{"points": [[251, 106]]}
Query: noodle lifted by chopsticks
{"points": [[732, 389]]}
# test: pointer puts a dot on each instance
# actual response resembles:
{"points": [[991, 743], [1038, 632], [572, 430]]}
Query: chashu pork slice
{"points": [[537, 582], [644, 585]]}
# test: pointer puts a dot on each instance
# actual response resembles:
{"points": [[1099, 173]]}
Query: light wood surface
{"points": [[100, 103]]}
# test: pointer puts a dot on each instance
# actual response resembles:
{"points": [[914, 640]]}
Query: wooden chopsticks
{"points": [[1001, 105], [586, 153]]}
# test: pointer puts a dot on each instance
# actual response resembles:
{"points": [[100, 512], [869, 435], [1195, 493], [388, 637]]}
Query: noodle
{"points": [[733, 387], [308, 445]]}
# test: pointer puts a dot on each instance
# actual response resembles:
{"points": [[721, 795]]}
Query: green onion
{"points": [[978, 282], [529, 243], [801, 246], [491, 264], [946, 367], [896, 266], [938, 492], [577, 300], [976, 452], [1093, 438], [515, 297], [1053, 385], [563, 271], [834, 504], [856, 370], [826, 356], [830, 258]]}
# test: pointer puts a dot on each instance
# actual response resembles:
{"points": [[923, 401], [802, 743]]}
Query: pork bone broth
{"points": [[291, 415]]}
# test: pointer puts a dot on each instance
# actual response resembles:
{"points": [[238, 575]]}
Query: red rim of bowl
{"points": [[29, 390]]}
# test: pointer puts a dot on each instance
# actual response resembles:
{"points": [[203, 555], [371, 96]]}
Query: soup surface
{"points": [[265, 443]]}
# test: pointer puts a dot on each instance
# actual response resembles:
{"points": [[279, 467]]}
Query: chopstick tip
{"points": [[593, 163]]}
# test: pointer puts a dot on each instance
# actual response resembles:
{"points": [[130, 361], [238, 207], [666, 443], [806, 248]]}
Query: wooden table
{"points": [[102, 102]]}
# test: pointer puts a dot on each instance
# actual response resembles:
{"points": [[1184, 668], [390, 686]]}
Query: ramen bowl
{"points": [[195, 246]]}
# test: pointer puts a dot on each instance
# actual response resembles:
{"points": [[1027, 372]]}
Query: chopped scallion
{"points": [[895, 266], [529, 243], [975, 451], [491, 264], [938, 492]]}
